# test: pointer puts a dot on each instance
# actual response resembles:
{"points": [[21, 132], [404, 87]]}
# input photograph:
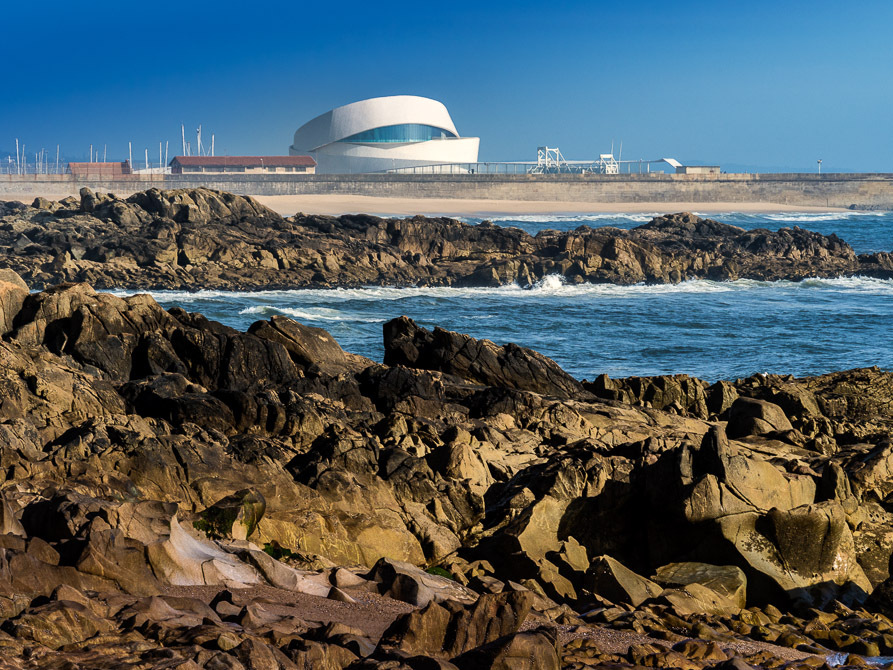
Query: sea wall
{"points": [[862, 190]]}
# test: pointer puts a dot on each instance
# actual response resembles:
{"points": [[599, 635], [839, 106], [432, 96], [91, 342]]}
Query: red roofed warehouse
{"points": [[247, 164]]}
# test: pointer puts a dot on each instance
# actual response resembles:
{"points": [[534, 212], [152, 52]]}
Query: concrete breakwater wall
{"points": [[859, 190]]}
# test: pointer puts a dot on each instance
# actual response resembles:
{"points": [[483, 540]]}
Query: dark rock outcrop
{"points": [[477, 361], [199, 238]]}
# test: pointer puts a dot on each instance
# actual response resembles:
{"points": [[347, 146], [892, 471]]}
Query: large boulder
{"points": [[732, 478], [309, 347], [410, 584], [749, 416], [610, 579], [13, 291], [477, 361], [727, 580], [453, 629], [536, 649], [184, 560], [695, 598], [806, 554], [235, 516]]}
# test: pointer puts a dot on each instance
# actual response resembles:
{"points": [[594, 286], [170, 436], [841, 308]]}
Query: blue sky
{"points": [[755, 85]]}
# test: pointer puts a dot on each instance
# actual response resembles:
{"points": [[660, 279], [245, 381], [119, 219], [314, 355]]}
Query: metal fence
{"points": [[530, 167], [8, 166]]}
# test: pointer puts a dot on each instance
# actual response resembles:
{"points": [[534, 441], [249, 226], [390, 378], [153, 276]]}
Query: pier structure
{"points": [[853, 190]]}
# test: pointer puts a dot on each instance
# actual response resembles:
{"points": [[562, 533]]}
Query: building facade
{"points": [[242, 164], [95, 169], [381, 134], [698, 169]]}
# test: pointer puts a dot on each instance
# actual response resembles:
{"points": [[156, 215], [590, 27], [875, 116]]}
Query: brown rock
{"points": [[610, 579]]}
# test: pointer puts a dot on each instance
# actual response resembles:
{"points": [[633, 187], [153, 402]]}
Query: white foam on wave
{"points": [[860, 284], [308, 314], [573, 218], [322, 304], [810, 217]]}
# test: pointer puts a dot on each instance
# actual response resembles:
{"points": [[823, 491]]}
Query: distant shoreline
{"points": [[336, 205]]}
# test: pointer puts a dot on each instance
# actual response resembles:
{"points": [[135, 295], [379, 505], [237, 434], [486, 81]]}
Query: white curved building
{"points": [[381, 134]]}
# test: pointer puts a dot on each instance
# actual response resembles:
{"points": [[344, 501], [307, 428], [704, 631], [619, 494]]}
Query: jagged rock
{"points": [[112, 555], [420, 631], [59, 623], [284, 577], [534, 533], [478, 361], [309, 347], [610, 579], [115, 415], [749, 416], [187, 561], [491, 617], [695, 598], [9, 523], [727, 580], [532, 650], [13, 292], [805, 552], [188, 238], [235, 516], [455, 629], [410, 584]]}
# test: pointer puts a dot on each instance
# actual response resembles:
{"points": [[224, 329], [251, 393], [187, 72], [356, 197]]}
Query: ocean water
{"points": [[712, 330]]}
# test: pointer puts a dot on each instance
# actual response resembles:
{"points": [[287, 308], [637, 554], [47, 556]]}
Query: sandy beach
{"points": [[357, 204]]}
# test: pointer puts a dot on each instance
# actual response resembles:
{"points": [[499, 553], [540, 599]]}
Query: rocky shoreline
{"points": [[178, 494], [203, 239]]}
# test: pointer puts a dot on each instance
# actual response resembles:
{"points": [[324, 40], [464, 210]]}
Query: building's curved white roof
{"points": [[364, 115]]}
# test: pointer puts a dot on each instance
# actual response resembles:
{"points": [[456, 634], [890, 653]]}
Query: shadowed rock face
{"points": [[199, 238], [144, 449], [478, 361]]}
